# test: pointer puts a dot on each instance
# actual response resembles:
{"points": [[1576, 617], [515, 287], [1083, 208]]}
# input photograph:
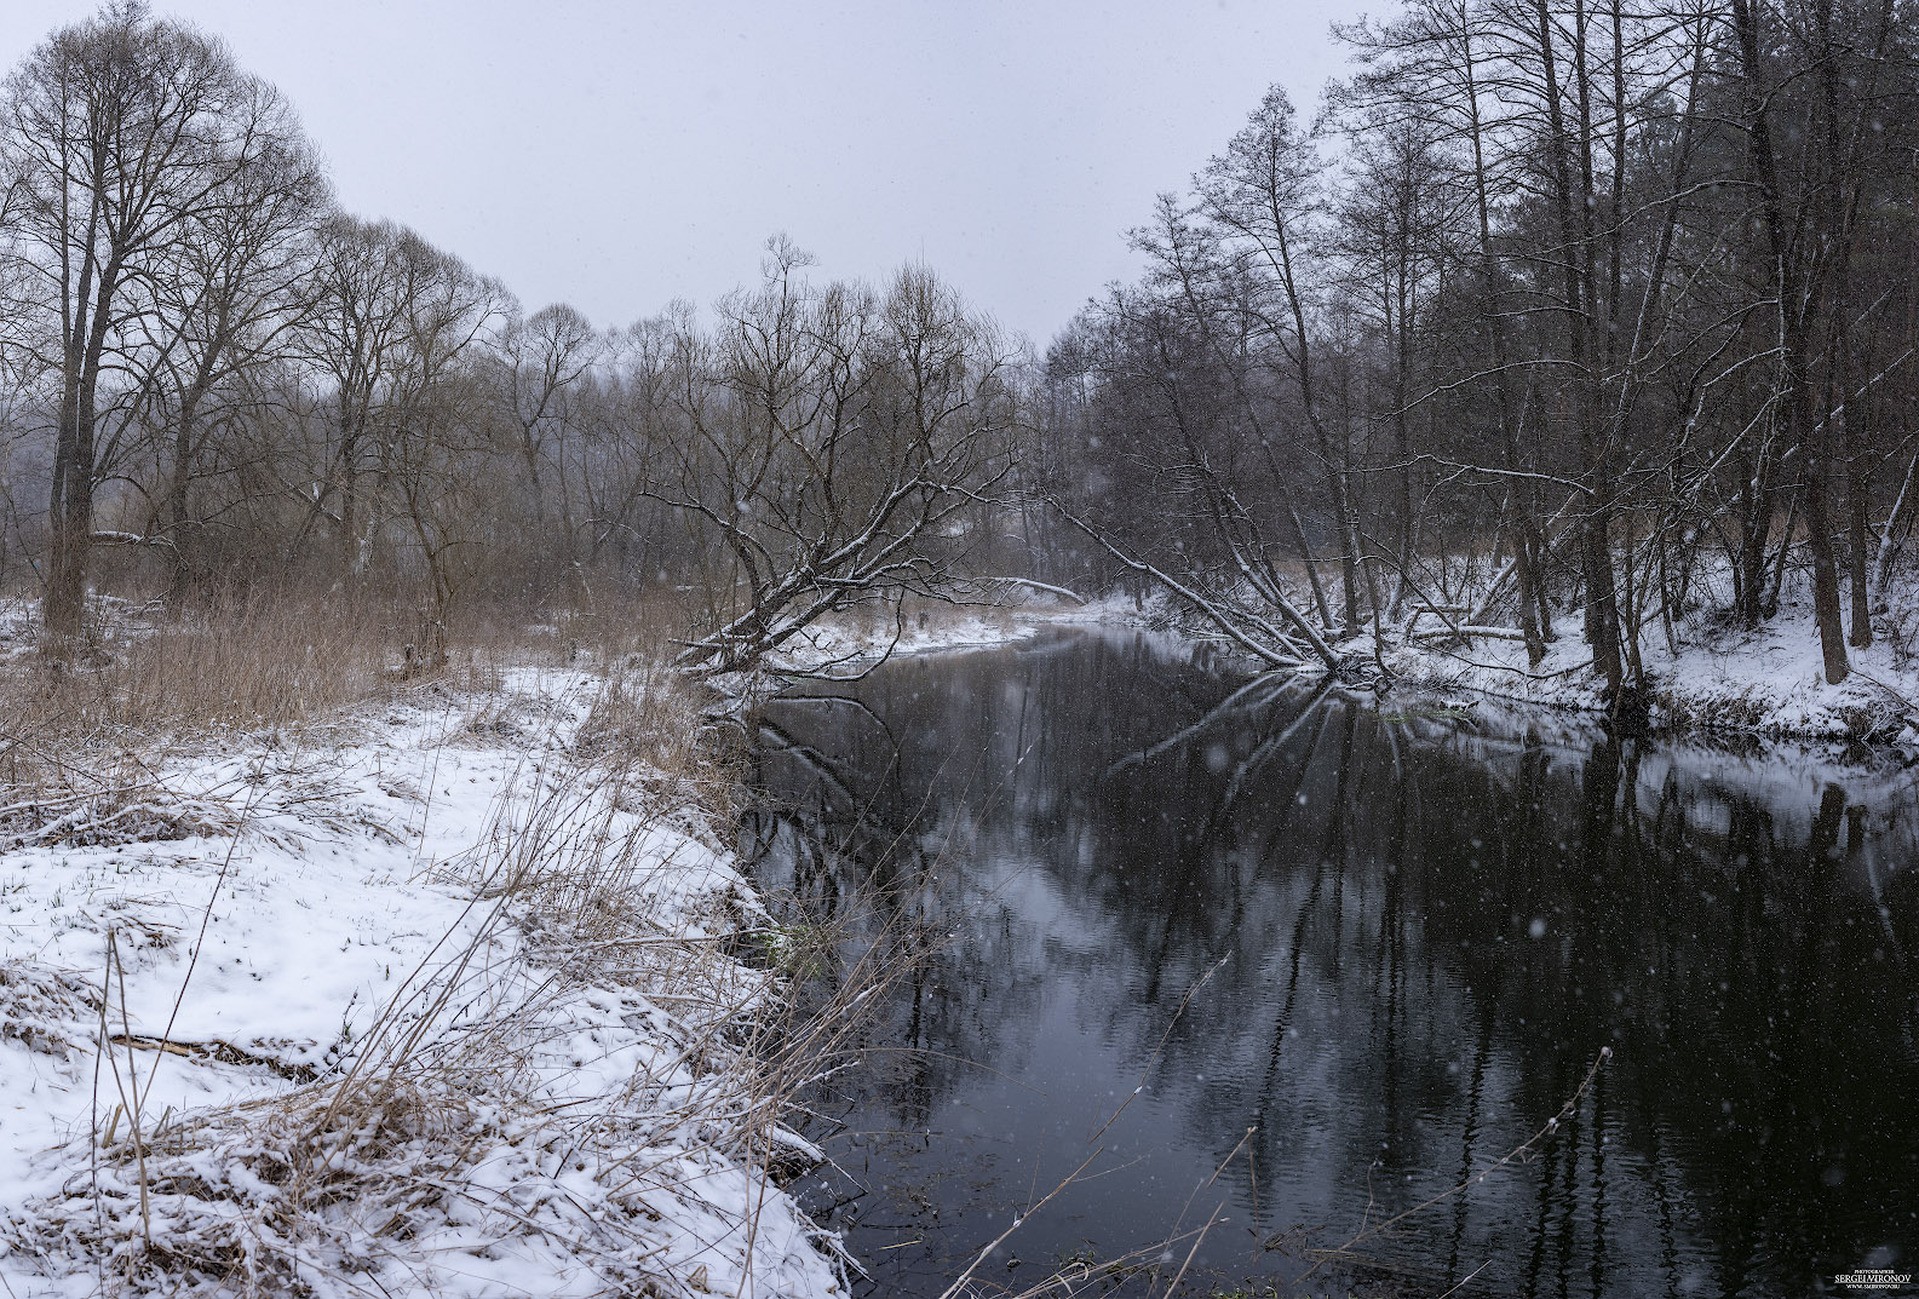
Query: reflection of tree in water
{"points": [[1431, 929], [864, 822], [1576, 905]]}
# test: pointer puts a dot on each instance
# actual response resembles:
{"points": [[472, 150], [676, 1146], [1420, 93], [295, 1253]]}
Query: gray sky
{"points": [[619, 155]]}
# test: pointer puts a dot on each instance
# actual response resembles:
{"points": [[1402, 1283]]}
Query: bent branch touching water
{"points": [[1249, 630]]}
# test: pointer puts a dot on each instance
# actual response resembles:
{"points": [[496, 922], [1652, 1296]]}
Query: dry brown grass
{"points": [[649, 625], [450, 1124], [235, 662], [83, 735], [95, 717], [443, 1120]]}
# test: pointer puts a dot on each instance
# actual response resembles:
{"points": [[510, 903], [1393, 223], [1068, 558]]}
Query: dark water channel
{"points": [[1353, 952]]}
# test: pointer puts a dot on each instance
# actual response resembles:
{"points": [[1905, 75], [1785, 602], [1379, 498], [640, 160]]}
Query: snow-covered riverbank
{"points": [[442, 997], [1712, 676], [848, 645]]}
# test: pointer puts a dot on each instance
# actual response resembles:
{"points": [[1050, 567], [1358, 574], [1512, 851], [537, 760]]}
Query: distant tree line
{"points": [[1562, 317], [1616, 294], [206, 359]]}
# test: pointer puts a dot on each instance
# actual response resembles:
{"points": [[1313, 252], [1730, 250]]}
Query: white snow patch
{"points": [[441, 1007]]}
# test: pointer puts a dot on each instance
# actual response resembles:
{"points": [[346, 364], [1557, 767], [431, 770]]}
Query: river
{"points": [[1271, 963]]}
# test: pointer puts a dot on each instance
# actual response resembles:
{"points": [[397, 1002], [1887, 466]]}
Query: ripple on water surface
{"points": [[1327, 956]]}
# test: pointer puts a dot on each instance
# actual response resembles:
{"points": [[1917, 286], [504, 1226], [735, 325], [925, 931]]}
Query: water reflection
{"points": [[1353, 952]]}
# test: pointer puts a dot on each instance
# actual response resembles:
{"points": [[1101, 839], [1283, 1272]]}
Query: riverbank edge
{"points": [[666, 994], [1765, 685]]}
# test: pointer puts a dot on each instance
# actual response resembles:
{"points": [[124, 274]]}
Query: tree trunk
{"points": [[1796, 302], [70, 515]]}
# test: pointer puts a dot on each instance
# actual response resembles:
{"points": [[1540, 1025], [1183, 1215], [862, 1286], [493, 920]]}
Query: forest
{"points": [[461, 833], [1553, 319]]}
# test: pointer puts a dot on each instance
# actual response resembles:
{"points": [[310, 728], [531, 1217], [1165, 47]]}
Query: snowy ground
{"points": [[1769, 681], [444, 997], [850, 644], [437, 1000]]}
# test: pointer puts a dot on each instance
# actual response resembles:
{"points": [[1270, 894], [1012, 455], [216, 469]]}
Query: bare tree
{"points": [[117, 135], [836, 435], [436, 459], [545, 360], [226, 300], [1265, 194]]}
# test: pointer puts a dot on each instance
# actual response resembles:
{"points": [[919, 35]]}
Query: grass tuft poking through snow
{"points": [[438, 996]]}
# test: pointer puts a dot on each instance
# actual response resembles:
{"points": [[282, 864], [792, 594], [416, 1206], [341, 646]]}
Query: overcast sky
{"points": [[619, 155]]}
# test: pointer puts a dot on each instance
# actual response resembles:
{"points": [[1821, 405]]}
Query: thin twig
{"points": [[1517, 1153]]}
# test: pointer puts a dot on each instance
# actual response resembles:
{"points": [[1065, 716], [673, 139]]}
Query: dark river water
{"points": [[1270, 964]]}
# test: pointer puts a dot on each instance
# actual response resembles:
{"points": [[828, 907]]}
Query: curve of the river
{"points": [[1350, 953]]}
